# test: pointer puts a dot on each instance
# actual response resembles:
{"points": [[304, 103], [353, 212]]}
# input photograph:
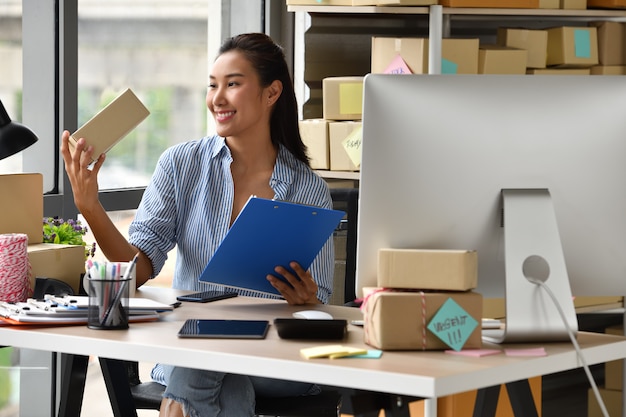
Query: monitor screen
{"points": [[439, 149]]}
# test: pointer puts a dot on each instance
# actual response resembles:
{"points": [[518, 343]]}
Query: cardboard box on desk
{"points": [[314, 134], [398, 320], [572, 47], [458, 56], [21, 209], [445, 270], [342, 98], [63, 262]]}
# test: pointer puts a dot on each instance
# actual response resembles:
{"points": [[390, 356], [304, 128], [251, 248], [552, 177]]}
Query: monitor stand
{"points": [[533, 250]]}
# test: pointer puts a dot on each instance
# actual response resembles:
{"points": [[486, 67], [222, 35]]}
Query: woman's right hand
{"points": [[83, 179]]}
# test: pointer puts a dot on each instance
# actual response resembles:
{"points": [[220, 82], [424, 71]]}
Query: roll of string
{"points": [[15, 268]]}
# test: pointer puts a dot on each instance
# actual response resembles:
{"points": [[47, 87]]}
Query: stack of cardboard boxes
{"points": [[424, 301], [21, 211], [334, 141]]}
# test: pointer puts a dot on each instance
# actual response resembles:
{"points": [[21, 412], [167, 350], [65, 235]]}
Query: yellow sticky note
{"points": [[351, 98], [331, 351], [352, 145]]}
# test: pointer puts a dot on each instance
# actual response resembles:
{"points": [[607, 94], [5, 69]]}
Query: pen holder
{"points": [[108, 303]]}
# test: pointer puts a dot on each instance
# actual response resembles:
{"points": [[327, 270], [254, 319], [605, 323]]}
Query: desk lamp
{"points": [[14, 137]]}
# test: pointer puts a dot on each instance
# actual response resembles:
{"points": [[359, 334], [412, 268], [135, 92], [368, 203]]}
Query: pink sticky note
{"points": [[397, 66], [525, 352], [474, 352]]}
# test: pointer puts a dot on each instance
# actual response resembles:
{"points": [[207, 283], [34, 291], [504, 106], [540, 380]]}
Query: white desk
{"points": [[427, 374]]}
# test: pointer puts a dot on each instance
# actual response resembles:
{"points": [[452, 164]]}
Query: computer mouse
{"points": [[312, 314]]}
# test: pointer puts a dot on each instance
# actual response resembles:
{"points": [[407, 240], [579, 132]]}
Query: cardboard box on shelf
{"points": [[459, 56], [319, 2], [342, 98], [444, 270], [496, 4], [534, 41], [340, 160], [572, 47], [607, 4], [21, 210], [400, 320], [558, 71], [314, 134], [393, 2], [63, 262], [608, 70], [549, 4], [573, 4], [612, 401], [611, 42], [496, 59]]}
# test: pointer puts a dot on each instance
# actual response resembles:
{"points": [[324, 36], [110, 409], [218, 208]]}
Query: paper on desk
{"points": [[526, 352], [474, 352]]}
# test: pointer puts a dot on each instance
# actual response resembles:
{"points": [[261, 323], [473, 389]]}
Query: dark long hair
{"points": [[268, 60]]}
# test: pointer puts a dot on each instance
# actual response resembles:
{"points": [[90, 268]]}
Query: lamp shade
{"points": [[14, 137]]}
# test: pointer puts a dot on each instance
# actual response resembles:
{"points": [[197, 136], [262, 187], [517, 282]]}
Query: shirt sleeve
{"points": [[153, 229]]}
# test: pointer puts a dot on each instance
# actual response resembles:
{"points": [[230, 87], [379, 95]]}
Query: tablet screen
{"points": [[224, 329]]}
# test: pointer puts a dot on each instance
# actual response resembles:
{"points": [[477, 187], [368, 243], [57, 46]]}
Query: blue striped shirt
{"points": [[189, 201]]}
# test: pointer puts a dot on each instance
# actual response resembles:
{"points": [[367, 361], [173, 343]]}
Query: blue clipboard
{"points": [[268, 233]]}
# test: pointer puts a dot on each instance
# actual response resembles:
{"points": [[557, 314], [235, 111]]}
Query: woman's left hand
{"points": [[303, 288]]}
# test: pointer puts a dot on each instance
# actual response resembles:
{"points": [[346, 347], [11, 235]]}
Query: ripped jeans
{"points": [[212, 394]]}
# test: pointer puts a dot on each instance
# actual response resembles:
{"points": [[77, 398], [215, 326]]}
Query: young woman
{"points": [[196, 192]]}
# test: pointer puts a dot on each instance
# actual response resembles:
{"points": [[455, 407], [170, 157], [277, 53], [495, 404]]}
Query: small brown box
{"points": [[441, 270], [398, 320], [573, 4], [342, 98], [59, 261], [22, 208], [314, 134], [496, 59], [339, 158], [534, 41], [611, 42], [572, 47], [608, 70], [558, 71], [497, 4], [458, 56]]}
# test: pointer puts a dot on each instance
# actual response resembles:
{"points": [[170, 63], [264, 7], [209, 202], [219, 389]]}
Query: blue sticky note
{"points": [[371, 354], [452, 324], [448, 67], [582, 43]]}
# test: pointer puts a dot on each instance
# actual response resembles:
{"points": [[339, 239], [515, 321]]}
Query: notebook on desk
{"points": [[268, 233]]}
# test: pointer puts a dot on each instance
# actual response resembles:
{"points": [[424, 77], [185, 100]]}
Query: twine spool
{"points": [[14, 268]]}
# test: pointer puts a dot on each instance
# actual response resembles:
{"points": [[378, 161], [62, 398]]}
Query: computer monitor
{"points": [[442, 154]]}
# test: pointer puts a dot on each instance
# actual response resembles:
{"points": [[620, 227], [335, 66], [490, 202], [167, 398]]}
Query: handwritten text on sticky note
{"points": [[352, 145], [452, 324], [397, 66]]}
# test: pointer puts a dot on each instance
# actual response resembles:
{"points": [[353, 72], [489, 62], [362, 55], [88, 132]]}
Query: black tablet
{"points": [[224, 329], [311, 329]]}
